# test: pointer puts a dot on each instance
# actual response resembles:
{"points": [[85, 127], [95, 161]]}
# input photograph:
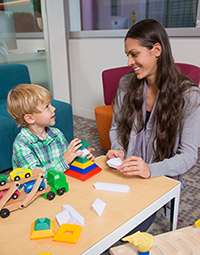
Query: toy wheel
{"points": [[17, 178], [27, 175], [61, 191], [50, 195], [4, 213], [14, 196], [2, 183], [40, 188]]}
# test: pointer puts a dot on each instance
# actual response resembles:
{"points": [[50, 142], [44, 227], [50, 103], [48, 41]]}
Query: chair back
{"points": [[12, 75], [191, 71], [110, 78]]}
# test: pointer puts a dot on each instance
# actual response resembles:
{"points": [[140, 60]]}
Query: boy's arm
{"points": [[25, 158]]}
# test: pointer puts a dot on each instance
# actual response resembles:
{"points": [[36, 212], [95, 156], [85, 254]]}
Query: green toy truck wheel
{"points": [[51, 195], [61, 191]]}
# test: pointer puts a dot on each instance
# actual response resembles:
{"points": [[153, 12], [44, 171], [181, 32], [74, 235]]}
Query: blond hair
{"points": [[24, 99]]}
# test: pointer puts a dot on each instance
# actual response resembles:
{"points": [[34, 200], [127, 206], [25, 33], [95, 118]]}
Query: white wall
{"points": [[186, 50], [89, 57]]}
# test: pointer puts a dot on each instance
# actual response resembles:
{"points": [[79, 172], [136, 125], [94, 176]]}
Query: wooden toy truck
{"points": [[7, 204]]}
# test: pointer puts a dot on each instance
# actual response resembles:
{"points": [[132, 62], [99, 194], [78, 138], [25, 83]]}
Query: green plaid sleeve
{"points": [[46, 154]]}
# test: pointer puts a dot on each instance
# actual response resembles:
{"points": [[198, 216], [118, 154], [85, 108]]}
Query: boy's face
{"points": [[46, 117]]}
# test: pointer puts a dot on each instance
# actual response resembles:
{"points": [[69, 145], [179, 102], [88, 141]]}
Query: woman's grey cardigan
{"points": [[186, 148]]}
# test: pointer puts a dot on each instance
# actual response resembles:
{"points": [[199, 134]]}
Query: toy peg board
{"points": [[184, 241]]}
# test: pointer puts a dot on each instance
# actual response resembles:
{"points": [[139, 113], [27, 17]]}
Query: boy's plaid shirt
{"points": [[30, 151]]}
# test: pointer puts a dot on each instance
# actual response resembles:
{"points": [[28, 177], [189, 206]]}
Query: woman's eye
{"points": [[134, 55]]}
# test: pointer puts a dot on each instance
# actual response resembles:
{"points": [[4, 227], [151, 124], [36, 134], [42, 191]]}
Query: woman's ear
{"points": [[158, 49], [29, 119]]}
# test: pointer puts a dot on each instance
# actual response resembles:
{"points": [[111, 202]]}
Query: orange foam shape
{"points": [[44, 233], [68, 233]]}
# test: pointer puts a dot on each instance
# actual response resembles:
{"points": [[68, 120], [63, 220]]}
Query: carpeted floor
{"points": [[189, 210]]}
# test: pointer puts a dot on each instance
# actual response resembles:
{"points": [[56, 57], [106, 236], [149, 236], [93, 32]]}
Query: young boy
{"points": [[38, 145]]}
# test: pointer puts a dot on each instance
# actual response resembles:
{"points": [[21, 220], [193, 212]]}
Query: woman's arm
{"points": [[187, 147], [187, 152]]}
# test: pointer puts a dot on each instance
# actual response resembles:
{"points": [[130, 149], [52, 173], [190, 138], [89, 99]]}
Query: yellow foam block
{"points": [[197, 223], [46, 253], [68, 233], [44, 233], [142, 241], [82, 165]]}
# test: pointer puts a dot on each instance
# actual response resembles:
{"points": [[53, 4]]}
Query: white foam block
{"points": [[64, 217], [114, 162], [98, 206], [112, 187], [74, 215], [85, 152]]}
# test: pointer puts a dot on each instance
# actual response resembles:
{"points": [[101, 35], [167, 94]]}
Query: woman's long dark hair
{"points": [[170, 102]]}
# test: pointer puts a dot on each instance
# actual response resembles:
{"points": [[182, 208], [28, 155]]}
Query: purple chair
{"points": [[191, 71], [103, 114], [110, 78]]}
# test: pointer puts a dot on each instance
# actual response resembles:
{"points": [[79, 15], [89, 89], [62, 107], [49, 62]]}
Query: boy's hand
{"points": [[70, 154], [91, 156]]}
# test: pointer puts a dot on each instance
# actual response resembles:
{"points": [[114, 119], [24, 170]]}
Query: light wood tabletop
{"points": [[123, 211]]}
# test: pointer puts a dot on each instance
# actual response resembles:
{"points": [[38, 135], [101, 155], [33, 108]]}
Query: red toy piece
{"points": [[83, 177], [15, 195]]}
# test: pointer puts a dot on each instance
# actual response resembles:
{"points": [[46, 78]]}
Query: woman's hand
{"points": [[135, 166], [115, 154]]}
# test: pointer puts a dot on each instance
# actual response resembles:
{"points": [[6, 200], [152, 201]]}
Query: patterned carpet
{"points": [[189, 210]]}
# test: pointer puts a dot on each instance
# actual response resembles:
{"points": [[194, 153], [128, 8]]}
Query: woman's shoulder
{"points": [[189, 87], [191, 93]]}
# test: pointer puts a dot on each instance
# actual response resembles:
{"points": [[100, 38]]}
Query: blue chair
{"points": [[12, 75]]}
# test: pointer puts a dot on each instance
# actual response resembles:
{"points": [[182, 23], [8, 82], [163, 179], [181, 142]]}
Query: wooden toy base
{"points": [[7, 205], [182, 241]]}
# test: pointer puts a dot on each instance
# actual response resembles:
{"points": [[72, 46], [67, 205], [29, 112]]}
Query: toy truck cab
{"points": [[3, 179], [57, 182]]}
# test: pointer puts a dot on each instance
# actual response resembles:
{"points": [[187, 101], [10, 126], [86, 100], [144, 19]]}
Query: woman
{"points": [[156, 120]]}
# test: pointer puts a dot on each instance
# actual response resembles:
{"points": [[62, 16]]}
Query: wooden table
{"points": [[123, 212]]}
